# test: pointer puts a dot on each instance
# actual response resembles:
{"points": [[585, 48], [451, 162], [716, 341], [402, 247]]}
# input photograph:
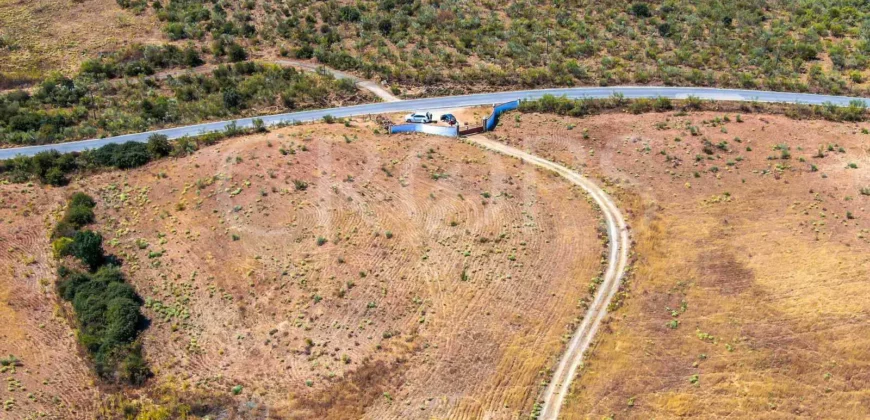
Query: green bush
{"points": [[55, 176], [122, 156], [174, 31], [236, 53], [87, 246], [80, 199], [191, 57], [640, 10], [259, 125], [79, 216], [79, 213], [108, 312], [60, 247], [107, 308], [158, 146]]}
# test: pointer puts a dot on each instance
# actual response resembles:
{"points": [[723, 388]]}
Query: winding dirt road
{"points": [[309, 66], [368, 85], [617, 231]]}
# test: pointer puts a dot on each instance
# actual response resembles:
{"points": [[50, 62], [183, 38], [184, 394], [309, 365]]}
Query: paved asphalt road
{"points": [[451, 102]]}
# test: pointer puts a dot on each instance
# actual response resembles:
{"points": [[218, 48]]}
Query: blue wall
{"points": [[492, 121], [425, 128]]}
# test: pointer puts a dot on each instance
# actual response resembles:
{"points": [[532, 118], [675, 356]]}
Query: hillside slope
{"points": [[41, 36], [753, 248], [328, 272]]}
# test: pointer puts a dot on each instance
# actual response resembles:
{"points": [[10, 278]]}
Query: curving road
{"points": [[630, 92], [617, 231]]}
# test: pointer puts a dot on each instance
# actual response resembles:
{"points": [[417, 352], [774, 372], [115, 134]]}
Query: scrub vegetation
{"points": [[427, 48], [106, 307], [856, 111], [90, 105], [794, 46], [55, 168]]}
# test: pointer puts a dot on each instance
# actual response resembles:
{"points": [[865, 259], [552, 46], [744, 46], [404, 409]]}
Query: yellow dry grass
{"points": [[47, 35], [445, 284], [768, 283]]}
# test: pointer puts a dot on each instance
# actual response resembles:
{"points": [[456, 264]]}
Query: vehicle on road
{"points": [[449, 119], [444, 102], [419, 117]]}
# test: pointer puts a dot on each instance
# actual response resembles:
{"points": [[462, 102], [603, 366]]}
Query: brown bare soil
{"points": [[749, 295], [41, 36], [51, 378], [443, 285]]}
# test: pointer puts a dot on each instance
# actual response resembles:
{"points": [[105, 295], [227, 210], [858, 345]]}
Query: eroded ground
{"points": [[749, 298]]}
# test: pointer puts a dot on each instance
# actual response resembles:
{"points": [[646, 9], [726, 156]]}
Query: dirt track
{"points": [[558, 387], [309, 66]]}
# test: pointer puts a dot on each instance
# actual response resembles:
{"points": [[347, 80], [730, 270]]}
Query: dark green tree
{"points": [[87, 246], [236, 53]]}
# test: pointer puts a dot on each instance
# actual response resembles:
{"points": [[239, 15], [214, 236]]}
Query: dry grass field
{"points": [[50, 377], [749, 295], [324, 271], [40, 36], [317, 271]]}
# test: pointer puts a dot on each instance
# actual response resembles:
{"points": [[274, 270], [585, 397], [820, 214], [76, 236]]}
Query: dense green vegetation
{"points": [[819, 46], [54, 168], [138, 60], [90, 106], [106, 307], [855, 111]]}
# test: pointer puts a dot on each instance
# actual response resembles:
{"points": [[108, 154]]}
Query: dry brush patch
{"points": [[43, 36], [747, 298]]}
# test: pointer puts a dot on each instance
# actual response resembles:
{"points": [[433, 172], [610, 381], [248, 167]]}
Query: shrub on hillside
{"points": [[236, 53], [87, 246], [60, 247], [79, 216], [108, 312], [82, 199], [158, 146], [122, 156], [106, 307], [640, 10]]}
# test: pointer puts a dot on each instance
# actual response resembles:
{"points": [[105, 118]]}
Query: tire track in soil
{"points": [[557, 389], [41, 338]]}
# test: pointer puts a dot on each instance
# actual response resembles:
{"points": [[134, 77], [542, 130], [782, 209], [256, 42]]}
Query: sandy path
{"points": [[558, 387]]}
